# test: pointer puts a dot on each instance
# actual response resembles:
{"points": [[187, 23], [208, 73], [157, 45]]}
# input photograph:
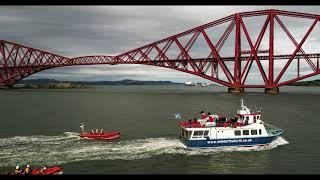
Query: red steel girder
{"points": [[18, 61], [296, 50], [256, 46], [295, 43], [254, 52], [217, 56]]}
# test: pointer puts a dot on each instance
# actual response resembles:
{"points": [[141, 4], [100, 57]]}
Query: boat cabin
{"points": [[245, 117]]}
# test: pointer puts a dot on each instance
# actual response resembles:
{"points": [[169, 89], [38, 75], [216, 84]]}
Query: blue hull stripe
{"points": [[228, 142]]}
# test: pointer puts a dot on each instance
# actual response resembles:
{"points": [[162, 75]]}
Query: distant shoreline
{"points": [[313, 83], [54, 84], [64, 85]]}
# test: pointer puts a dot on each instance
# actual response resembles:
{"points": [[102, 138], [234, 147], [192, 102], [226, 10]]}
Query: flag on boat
{"points": [[177, 116]]}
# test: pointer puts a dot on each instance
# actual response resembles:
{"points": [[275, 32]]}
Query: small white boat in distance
{"points": [[189, 83]]}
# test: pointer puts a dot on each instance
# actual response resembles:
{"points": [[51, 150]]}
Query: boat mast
{"points": [[242, 105]]}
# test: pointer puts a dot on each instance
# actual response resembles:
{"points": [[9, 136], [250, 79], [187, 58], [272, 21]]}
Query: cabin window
{"points": [[246, 122], [258, 117], [201, 133], [206, 133], [245, 132], [260, 131], [237, 133], [254, 132], [254, 119], [197, 134]]}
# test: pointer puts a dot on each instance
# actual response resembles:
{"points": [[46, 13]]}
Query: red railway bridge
{"points": [[261, 43]]}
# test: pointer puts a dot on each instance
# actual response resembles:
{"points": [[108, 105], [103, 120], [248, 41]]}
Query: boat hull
{"points": [[106, 136], [227, 142], [55, 170]]}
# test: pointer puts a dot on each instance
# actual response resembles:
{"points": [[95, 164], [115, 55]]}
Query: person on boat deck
{"points": [[27, 170], [203, 115], [101, 131], [92, 132], [43, 170], [195, 120], [210, 117], [97, 131], [17, 170]]}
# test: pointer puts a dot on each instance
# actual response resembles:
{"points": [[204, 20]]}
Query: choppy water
{"points": [[69, 147], [41, 127]]}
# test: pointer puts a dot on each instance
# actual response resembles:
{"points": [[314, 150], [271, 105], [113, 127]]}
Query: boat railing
{"points": [[187, 124], [192, 124], [270, 127], [272, 130]]}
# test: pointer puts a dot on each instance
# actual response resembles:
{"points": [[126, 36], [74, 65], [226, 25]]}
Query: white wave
{"points": [[71, 134], [207, 151], [69, 147], [38, 138]]}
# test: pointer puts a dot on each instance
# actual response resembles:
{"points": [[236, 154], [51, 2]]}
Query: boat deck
{"points": [[187, 124]]}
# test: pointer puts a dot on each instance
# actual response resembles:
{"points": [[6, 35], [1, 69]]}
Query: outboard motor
{"points": [[82, 128]]}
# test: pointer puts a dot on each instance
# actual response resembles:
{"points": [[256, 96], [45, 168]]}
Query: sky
{"points": [[74, 31]]}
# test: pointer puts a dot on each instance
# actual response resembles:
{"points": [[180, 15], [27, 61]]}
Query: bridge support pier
{"points": [[272, 90], [235, 90]]}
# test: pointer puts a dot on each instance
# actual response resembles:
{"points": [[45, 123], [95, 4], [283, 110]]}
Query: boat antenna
{"points": [[242, 105]]}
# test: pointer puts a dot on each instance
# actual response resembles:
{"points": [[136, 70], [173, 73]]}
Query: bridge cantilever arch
{"points": [[273, 47]]}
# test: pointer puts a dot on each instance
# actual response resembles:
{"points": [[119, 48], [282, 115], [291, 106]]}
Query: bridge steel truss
{"points": [[18, 61]]}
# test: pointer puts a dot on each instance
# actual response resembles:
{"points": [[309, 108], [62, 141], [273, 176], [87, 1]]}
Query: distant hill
{"points": [[306, 83], [122, 82]]}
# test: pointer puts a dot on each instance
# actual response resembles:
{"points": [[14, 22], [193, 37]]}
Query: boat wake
{"points": [[69, 147]]}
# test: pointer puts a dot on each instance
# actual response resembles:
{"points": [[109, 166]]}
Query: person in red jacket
{"points": [[203, 115], [210, 117]]}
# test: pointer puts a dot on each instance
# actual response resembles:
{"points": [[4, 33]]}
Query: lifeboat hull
{"points": [[55, 170], [106, 135]]}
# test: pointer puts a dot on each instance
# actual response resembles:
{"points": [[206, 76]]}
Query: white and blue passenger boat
{"points": [[212, 130]]}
